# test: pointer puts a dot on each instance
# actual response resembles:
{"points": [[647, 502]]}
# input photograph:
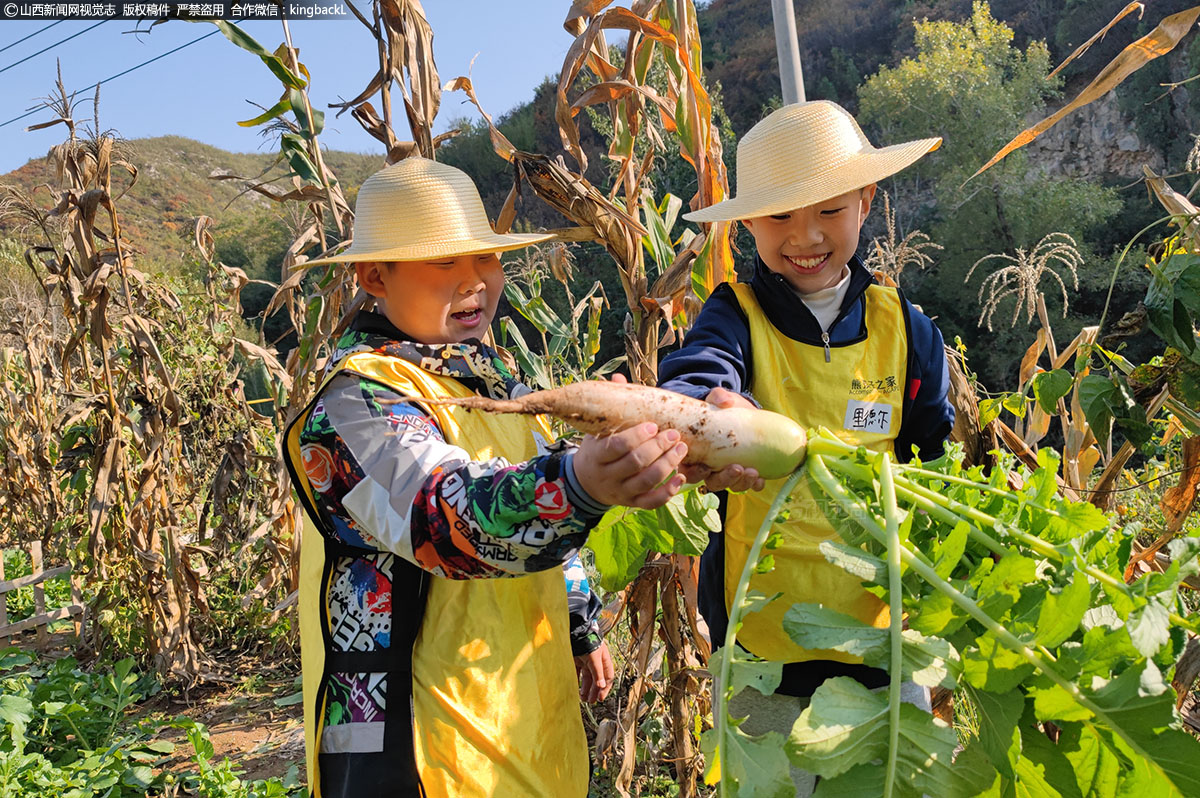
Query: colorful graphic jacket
{"points": [[360, 428]]}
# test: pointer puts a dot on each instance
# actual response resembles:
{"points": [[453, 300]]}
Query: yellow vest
{"points": [[495, 703], [859, 396]]}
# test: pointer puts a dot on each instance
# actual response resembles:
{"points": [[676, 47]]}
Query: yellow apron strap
{"points": [[312, 574], [312, 646], [312, 583]]}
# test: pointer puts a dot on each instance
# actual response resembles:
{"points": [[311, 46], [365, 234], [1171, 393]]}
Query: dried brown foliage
{"points": [[123, 431], [666, 31], [1154, 44]]}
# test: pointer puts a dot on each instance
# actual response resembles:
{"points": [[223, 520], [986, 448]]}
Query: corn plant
{"points": [[570, 340], [320, 305], [891, 255], [114, 417], [664, 31]]}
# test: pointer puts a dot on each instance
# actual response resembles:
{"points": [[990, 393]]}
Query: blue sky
{"points": [[202, 91]]}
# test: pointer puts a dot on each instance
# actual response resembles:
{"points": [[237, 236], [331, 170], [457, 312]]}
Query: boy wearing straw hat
{"points": [[812, 336], [434, 610]]}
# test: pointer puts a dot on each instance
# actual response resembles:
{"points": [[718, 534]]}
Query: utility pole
{"points": [[791, 76]]}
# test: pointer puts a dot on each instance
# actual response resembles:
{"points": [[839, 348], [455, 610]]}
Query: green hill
{"points": [[174, 187]]}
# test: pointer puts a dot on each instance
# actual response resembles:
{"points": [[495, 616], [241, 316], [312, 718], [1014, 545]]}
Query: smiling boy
{"points": [[443, 599], [811, 336]]}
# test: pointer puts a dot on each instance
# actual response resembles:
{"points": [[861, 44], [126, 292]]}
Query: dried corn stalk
{"points": [[112, 416], [666, 30]]}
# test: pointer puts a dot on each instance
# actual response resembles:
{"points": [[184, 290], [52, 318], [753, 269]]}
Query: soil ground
{"points": [[245, 721]]}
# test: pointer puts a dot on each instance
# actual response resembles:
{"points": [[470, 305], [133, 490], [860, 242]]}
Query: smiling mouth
{"points": [[468, 317], [808, 263]]}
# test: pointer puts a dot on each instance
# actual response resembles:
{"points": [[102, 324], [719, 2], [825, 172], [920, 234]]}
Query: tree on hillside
{"points": [[970, 85]]}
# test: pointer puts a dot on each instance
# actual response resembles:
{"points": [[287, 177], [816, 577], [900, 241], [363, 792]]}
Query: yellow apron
{"points": [[494, 697], [858, 395]]}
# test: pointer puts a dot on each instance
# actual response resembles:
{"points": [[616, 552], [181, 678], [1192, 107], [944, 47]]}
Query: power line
{"points": [[51, 47], [119, 74], [30, 36]]}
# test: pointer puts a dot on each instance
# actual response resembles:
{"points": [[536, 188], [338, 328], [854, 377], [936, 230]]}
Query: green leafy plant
{"points": [[570, 339], [20, 601], [222, 779], [68, 733], [1016, 597], [622, 540], [66, 730]]}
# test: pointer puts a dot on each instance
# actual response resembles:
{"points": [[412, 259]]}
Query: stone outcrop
{"points": [[1095, 142]]}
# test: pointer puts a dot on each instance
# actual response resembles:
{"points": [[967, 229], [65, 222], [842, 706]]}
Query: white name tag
{"points": [[868, 417]]}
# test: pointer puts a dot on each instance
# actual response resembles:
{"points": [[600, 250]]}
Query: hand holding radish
{"points": [[625, 418], [732, 477], [635, 467]]}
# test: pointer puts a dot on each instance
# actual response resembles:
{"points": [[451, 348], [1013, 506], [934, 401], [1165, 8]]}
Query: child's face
{"points": [[445, 300], [809, 246]]}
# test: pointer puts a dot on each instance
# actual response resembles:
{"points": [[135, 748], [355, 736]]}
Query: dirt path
{"points": [[257, 725]]}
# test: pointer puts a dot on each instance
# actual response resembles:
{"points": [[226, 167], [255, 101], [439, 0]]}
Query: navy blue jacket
{"points": [[716, 352]]}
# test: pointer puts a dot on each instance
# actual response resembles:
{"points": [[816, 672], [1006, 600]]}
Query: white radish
{"points": [[771, 443]]}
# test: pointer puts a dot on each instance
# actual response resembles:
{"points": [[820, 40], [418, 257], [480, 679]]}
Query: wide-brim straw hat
{"points": [[803, 154], [420, 209]]}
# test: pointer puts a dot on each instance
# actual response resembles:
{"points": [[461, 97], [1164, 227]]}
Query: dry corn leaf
{"points": [[643, 608], [966, 413], [687, 576], [611, 90], [143, 340], [1175, 204], [1081, 49], [373, 86], [1086, 337], [307, 192], [580, 12], [500, 142], [1030, 360], [269, 360], [1179, 500], [1187, 670], [1158, 42], [410, 40], [1037, 425], [1086, 463], [508, 211], [577, 56], [1173, 428]]}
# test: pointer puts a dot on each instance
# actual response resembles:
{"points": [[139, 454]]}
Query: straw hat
{"points": [[420, 209], [803, 154]]}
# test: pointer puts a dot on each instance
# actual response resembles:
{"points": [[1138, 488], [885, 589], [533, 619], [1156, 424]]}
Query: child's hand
{"points": [[733, 477], [595, 672], [722, 398], [635, 467]]}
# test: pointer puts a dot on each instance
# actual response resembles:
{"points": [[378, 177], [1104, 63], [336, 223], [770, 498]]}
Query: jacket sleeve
{"points": [[584, 607], [715, 352], [396, 485], [928, 414]]}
